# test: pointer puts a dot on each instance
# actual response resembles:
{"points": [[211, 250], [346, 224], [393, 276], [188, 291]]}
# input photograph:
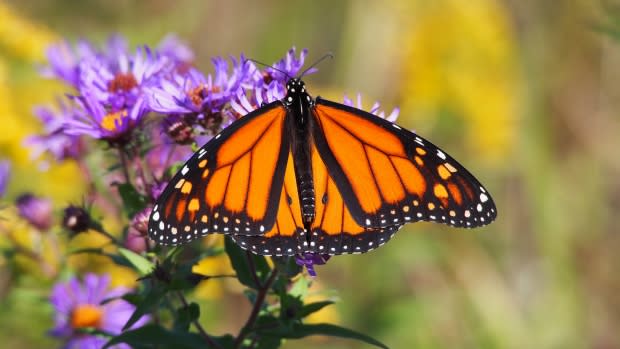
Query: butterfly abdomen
{"points": [[303, 176]]}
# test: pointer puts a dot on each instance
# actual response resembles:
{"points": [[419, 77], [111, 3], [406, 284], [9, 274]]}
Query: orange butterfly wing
{"points": [[230, 185], [388, 176], [286, 235], [334, 230]]}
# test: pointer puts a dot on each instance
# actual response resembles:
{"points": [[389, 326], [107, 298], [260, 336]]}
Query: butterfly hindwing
{"points": [[230, 185], [389, 176], [334, 231]]}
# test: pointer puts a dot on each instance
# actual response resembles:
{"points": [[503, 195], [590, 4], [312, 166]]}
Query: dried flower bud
{"points": [[140, 221], [76, 219]]}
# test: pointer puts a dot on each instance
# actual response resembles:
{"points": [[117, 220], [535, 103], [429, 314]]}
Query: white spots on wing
{"points": [[441, 154], [396, 127], [218, 135], [156, 216], [184, 170], [368, 222], [419, 140], [479, 208], [483, 198], [262, 228], [161, 225]]}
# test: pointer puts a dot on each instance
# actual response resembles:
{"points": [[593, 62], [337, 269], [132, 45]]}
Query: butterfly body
{"points": [[299, 103], [303, 176]]}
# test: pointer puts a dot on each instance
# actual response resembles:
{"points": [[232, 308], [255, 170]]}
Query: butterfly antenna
{"points": [[325, 56], [268, 66]]}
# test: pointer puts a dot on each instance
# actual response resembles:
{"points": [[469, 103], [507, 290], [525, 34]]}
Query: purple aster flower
{"points": [[374, 109], [5, 169], [90, 304], [118, 82], [35, 210], [182, 93], [309, 260], [204, 97], [247, 101], [95, 119], [54, 140], [64, 60], [270, 84]]}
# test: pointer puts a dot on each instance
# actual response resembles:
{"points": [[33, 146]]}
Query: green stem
{"points": [[258, 304]]}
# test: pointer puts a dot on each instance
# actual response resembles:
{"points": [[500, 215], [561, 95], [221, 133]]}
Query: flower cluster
{"points": [[147, 107]]}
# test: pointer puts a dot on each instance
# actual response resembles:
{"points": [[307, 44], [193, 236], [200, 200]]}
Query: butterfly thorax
{"points": [[299, 104]]}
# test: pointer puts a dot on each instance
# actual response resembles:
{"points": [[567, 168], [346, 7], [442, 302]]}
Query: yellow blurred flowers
{"points": [[460, 58]]}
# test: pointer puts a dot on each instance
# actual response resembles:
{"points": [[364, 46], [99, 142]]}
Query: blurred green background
{"points": [[524, 93]]}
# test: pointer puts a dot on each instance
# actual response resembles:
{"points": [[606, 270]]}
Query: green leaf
{"points": [[297, 331], [147, 305], [313, 308], [185, 316], [133, 202], [157, 336], [240, 261], [290, 306], [143, 265]]}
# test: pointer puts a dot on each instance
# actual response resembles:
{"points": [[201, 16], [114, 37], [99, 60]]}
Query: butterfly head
{"points": [[296, 93], [295, 85]]}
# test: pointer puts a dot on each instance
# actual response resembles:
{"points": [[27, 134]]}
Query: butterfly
{"points": [[303, 175]]}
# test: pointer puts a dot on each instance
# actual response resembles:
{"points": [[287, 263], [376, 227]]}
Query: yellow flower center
{"points": [[86, 315], [111, 121]]}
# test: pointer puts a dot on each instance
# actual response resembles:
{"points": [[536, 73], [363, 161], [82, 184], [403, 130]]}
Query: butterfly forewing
{"points": [[230, 185], [388, 176]]}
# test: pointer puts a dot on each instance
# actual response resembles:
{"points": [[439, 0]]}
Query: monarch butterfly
{"points": [[304, 175]]}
